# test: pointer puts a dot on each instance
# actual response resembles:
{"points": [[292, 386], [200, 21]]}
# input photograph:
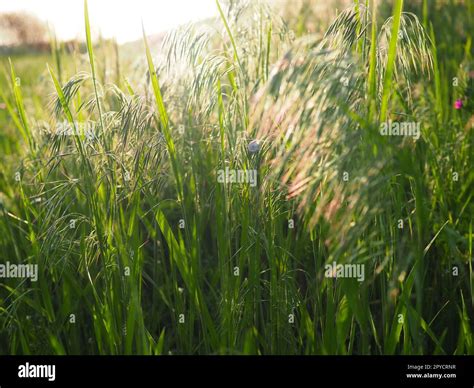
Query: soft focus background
{"points": [[113, 19]]}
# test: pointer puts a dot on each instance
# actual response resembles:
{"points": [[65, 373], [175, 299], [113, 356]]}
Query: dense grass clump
{"points": [[192, 202]]}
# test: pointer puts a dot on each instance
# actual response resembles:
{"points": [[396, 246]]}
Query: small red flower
{"points": [[458, 104]]}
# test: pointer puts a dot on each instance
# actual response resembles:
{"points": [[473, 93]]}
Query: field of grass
{"points": [[146, 244]]}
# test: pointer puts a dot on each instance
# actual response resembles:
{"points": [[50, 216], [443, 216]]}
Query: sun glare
{"points": [[116, 18]]}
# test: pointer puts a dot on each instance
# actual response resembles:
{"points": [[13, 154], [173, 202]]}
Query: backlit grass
{"points": [[141, 250]]}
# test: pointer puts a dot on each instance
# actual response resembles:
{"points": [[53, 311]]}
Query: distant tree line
{"points": [[22, 31], [22, 28]]}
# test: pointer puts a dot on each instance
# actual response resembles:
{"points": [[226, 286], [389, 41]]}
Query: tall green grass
{"points": [[141, 250]]}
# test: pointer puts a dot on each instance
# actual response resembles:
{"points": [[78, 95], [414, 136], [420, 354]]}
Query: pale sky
{"points": [[114, 18]]}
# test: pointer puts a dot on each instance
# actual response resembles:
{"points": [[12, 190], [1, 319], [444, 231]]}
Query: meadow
{"points": [[229, 190]]}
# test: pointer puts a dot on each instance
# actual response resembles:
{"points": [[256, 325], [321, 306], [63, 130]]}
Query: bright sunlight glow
{"points": [[117, 18]]}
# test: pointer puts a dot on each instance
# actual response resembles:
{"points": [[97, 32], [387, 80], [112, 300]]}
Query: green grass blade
{"points": [[163, 116], [392, 56]]}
